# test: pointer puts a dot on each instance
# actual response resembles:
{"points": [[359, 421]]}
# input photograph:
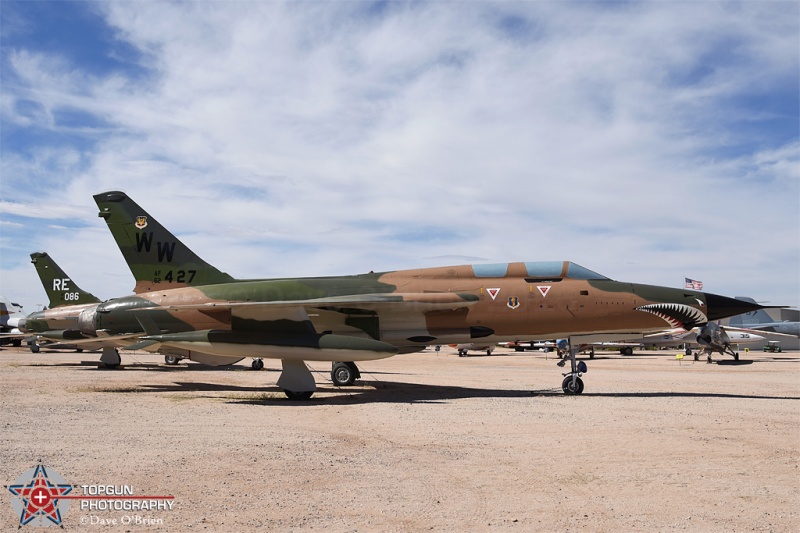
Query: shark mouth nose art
{"points": [[676, 315]]}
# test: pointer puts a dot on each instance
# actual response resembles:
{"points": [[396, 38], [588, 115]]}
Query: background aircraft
{"points": [[722, 340], [464, 349], [760, 320], [59, 326], [10, 315]]}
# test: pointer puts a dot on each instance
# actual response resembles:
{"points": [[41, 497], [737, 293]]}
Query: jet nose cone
{"points": [[722, 307]]}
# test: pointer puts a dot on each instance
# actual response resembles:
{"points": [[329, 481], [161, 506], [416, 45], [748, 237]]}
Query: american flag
{"points": [[693, 284]]}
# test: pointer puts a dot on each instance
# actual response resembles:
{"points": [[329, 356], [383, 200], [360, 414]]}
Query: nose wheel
{"points": [[572, 384]]}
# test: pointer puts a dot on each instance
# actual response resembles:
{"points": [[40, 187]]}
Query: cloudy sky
{"points": [[646, 141]]}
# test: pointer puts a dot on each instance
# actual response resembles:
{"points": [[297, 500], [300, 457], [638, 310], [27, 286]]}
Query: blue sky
{"points": [[646, 141]]}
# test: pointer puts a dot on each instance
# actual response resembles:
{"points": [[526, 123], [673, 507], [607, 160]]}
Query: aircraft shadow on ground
{"points": [[400, 392]]}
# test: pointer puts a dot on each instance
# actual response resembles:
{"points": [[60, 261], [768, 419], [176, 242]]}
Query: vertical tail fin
{"points": [[60, 289], [752, 318], [9, 313], [157, 259]]}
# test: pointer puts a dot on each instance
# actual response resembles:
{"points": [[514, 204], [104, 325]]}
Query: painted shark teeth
{"points": [[676, 315]]}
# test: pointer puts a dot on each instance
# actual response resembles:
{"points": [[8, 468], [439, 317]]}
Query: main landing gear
{"points": [[573, 384], [344, 374], [258, 364]]}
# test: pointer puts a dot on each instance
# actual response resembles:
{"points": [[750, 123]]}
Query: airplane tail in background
{"points": [[60, 289], [157, 259], [752, 318], [10, 313]]}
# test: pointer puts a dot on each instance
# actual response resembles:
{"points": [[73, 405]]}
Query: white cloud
{"points": [[603, 133]]}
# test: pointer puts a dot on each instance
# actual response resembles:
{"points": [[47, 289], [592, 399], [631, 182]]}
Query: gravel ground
{"points": [[423, 442]]}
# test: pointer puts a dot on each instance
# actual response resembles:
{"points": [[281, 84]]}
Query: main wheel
{"points": [[572, 388], [258, 364], [34, 347], [736, 356], [343, 374], [171, 359], [305, 395]]}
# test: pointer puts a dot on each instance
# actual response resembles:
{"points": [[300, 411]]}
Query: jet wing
{"points": [[296, 310]]}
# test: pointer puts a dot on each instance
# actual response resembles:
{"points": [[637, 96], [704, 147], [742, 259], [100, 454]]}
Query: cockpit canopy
{"points": [[539, 270]]}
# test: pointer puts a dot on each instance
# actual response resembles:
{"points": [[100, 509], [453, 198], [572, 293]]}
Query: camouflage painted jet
{"points": [[377, 315], [59, 323]]}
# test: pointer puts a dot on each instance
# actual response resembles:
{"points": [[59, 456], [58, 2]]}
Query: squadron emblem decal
{"points": [[513, 302], [493, 292], [141, 222]]}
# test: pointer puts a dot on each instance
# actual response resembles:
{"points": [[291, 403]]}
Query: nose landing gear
{"points": [[573, 384]]}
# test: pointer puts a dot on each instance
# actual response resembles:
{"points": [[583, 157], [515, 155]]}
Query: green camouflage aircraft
{"points": [[58, 326], [59, 323], [375, 315]]}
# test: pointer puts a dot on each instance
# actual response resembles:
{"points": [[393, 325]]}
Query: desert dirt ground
{"points": [[423, 442]]}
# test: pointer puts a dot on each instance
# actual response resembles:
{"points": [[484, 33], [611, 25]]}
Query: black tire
{"points": [[569, 388], [171, 359], [298, 396], [16, 343], [343, 374], [34, 347], [697, 357], [736, 356], [258, 364]]}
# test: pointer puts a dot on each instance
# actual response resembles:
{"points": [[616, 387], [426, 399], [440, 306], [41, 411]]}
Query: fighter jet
{"points": [[58, 326], [59, 323], [375, 315], [715, 338], [760, 320], [10, 315]]}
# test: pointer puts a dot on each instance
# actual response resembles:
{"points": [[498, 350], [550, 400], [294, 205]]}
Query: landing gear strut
{"points": [[573, 384], [296, 380]]}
